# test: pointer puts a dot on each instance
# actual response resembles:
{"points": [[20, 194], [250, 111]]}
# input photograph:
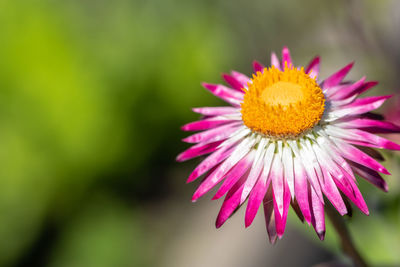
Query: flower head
{"points": [[288, 139]]}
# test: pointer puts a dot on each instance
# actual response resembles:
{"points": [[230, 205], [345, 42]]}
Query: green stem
{"points": [[346, 241]]}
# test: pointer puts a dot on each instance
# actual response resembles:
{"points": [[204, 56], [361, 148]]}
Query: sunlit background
{"points": [[92, 97]]}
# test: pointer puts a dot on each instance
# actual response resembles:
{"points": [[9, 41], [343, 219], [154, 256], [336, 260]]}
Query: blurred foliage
{"points": [[92, 95]]}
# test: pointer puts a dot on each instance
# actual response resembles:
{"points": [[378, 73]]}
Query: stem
{"points": [[346, 241]]}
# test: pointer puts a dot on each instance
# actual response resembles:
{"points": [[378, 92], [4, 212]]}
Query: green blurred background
{"points": [[92, 96]]}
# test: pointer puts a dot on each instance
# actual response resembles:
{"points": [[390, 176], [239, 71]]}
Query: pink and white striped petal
{"points": [[216, 111], [240, 77], [317, 214]]}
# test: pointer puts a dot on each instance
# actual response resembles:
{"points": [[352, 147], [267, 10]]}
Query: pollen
{"points": [[282, 104]]}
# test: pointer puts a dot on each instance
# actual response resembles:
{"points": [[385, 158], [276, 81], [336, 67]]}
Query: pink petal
{"points": [[311, 172], [255, 199], [373, 139], [356, 155], [337, 77], [301, 190], [275, 61], [313, 68], [332, 193], [198, 150], [216, 176], [210, 162], [287, 161], [280, 221], [232, 81], [286, 59], [350, 189], [347, 91], [243, 79], [378, 126], [231, 96], [317, 215], [235, 174], [371, 176], [231, 202], [305, 162], [276, 175], [255, 170], [361, 105], [205, 124], [269, 216], [216, 111], [371, 152], [366, 87], [369, 100], [215, 134], [258, 67]]}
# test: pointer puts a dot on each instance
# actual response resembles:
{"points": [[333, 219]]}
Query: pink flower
{"points": [[288, 138]]}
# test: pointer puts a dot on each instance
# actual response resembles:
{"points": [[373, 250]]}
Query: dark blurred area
{"points": [[92, 97]]}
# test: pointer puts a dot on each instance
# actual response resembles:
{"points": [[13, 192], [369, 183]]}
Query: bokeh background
{"points": [[92, 96]]}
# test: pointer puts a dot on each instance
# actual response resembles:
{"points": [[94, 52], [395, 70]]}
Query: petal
{"points": [[356, 155], [376, 126], [347, 90], [232, 81], [301, 189], [255, 199], [243, 79], [366, 87], [317, 214], [205, 124], [287, 161], [210, 162], [350, 189], [306, 161], [371, 152], [337, 77], [280, 221], [276, 175], [366, 137], [231, 96], [230, 204], [235, 174], [286, 59], [255, 170], [215, 134], [313, 68], [360, 106], [198, 150], [218, 174], [371, 176], [275, 61], [269, 216], [257, 66], [333, 194], [216, 111]]}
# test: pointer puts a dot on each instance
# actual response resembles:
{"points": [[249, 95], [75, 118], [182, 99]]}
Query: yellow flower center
{"points": [[282, 104]]}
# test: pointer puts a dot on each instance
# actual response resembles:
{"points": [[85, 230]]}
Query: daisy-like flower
{"points": [[288, 138]]}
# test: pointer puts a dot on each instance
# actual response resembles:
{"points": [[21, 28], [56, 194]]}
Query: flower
{"points": [[288, 139]]}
